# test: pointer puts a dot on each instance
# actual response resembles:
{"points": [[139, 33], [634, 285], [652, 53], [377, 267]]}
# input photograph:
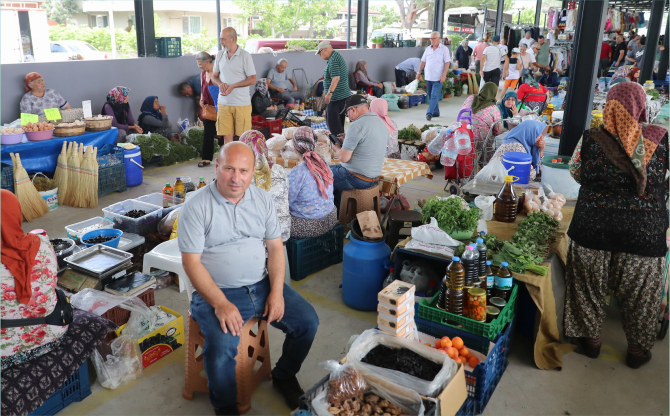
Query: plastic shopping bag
{"points": [[345, 383], [433, 234], [124, 365], [485, 203], [494, 171], [412, 86]]}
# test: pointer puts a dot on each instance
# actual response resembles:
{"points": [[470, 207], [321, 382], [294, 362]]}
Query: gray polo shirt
{"points": [[230, 237], [367, 138], [280, 80], [234, 70]]}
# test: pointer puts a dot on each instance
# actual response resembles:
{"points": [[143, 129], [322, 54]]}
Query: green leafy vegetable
{"points": [[654, 94], [452, 214], [493, 244], [409, 134], [428, 126]]}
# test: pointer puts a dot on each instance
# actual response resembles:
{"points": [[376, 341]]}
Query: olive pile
{"points": [[403, 360], [136, 213], [60, 244], [159, 339], [99, 239]]}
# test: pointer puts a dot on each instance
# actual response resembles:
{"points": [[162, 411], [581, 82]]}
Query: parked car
{"points": [[63, 50]]}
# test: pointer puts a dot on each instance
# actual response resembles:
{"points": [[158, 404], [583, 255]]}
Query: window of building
{"points": [[191, 24], [101, 21]]}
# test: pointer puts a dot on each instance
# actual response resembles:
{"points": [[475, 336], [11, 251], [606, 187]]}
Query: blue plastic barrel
{"points": [[519, 163], [133, 161], [363, 273]]}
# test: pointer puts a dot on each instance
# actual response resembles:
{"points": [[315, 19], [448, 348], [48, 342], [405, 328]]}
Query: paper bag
{"points": [[369, 224]]}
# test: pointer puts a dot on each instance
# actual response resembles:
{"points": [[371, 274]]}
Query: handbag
{"points": [[61, 315], [209, 112]]}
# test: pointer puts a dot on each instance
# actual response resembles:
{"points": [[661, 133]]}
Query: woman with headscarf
{"points": [[310, 192], [484, 113], [363, 80], [154, 118], [527, 137], [38, 97], [28, 277], [276, 184], [380, 107], [531, 91], [261, 103], [463, 54], [122, 117], [618, 230], [508, 108]]}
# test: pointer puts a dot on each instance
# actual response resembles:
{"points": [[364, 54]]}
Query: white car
{"points": [[64, 50]]}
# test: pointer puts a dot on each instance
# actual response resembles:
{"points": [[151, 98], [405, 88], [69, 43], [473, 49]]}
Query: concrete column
{"points": [[144, 27], [653, 33], [362, 24], [499, 16], [538, 12], [218, 24], [663, 64], [438, 17]]}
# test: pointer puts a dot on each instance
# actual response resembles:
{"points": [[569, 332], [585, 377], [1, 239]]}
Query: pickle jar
{"points": [[477, 304], [596, 119]]}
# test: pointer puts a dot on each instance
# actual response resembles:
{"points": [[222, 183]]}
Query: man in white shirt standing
{"points": [[234, 72], [528, 41], [491, 58], [435, 62]]}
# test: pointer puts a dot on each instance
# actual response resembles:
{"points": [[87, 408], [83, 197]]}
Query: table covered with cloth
{"points": [[397, 172], [26, 386], [548, 292], [316, 126], [42, 156], [653, 106]]}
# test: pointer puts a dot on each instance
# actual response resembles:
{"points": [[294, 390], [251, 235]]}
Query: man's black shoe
{"points": [[230, 410], [428, 117], [290, 389]]}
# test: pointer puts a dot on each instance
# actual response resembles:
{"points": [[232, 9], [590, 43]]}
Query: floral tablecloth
{"points": [[653, 106]]}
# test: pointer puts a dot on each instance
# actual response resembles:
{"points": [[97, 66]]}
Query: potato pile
{"points": [[41, 126], [370, 405], [10, 130]]}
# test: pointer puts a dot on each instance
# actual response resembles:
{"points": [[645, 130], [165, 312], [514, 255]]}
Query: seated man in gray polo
{"points": [[363, 151], [281, 85], [232, 251]]}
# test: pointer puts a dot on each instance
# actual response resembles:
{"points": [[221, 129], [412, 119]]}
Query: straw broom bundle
{"points": [[87, 186], [60, 176], [96, 169], [78, 200], [72, 177], [32, 204]]}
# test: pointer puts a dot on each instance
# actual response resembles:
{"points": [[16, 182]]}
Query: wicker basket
{"points": [[61, 131], [98, 125], [67, 116]]}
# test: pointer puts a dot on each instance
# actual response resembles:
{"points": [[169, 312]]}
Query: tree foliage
{"points": [[60, 11], [388, 17]]}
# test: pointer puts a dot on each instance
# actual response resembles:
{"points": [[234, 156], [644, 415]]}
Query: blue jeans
{"points": [[299, 323], [343, 180], [434, 92]]}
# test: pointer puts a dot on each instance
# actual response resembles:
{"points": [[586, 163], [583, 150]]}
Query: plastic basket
{"points": [[168, 47], [415, 100], [289, 116], [140, 226], [72, 230], [469, 408], [112, 179], [168, 202], [428, 310], [480, 380], [75, 389], [120, 316], [8, 177], [258, 122], [110, 156], [309, 255]]}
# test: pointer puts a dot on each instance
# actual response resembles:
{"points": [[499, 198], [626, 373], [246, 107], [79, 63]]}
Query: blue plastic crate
{"points": [[110, 155], [479, 381], [309, 255], [112, 179], [480, 405], [8, 177], [75, 389], [469, 408]]}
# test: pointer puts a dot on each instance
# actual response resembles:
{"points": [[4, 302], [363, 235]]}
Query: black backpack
{"points": [[61, 315]]}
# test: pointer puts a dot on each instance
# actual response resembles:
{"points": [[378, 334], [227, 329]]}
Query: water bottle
{"points": [[465, 89], [462, 141], [449, 153], [471, 265], [503, 282], [481, 248]]}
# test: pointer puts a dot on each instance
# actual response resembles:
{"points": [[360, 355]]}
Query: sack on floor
{"points": [[388, 87], [122, 366], [392, 101]]}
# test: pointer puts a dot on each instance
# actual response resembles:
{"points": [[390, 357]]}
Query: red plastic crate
{"points": [[258, 122], [120, 316]]}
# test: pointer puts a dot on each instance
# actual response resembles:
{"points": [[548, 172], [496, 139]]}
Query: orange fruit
{"points": [[457, 343], [456, 352], [464, 351], [473, 361], [450, 352], [446, 342], [440, 349], [438, 343], [463, 359]]}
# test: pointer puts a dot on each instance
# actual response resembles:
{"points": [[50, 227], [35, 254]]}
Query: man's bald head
{"points": [[236, 150], [234, 170], [228, 38]]}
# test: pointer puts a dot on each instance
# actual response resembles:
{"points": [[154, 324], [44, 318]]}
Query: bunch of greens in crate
{"points": [[410, 133], [428, 126], [452, 214]]}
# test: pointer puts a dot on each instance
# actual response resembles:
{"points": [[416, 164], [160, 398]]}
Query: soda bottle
{"points": [[202, 183], [481, 248], [449, 153], [167, 190], [470, 264], [506, 203], [489, 281], [503, 282], [179, 188], [456, 283]]}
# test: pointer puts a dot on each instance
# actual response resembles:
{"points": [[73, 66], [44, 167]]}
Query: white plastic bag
{"points": [[140, 321], [372, 337], [124, 365], [412, 86], [494, 171], [99, 302], [432, 234], [441, 250], [485, 203]]}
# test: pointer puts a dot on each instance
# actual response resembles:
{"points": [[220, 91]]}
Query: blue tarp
{"points": [[42, 156]]}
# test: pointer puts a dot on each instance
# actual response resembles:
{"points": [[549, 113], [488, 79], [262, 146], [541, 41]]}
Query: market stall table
{"points": [[315, 126], [653, 106], [397, 172], [42, 156]]}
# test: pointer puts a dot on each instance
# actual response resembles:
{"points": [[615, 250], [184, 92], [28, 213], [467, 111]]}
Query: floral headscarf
{"points": [[118, 94], [304, 143], [262, 87], [256, 141], [32, 76]]}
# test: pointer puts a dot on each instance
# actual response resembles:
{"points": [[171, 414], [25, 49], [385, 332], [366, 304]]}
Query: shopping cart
{"points": [[464, 163]]}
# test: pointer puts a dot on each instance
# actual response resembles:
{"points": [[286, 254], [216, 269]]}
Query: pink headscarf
{"points": [[304, 143], [256, 140], [380, 107]]}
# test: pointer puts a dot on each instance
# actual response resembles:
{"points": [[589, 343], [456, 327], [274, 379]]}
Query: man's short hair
{"points": [[182, 87], [281, 60], [541, 37]]}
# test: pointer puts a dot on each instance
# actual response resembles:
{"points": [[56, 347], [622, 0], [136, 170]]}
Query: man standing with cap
{"points": [[363, 150], [335, 78], [436, 60], [491, 61]]}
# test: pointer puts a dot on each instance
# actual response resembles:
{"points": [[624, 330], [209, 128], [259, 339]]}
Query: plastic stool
{"points": [[356, 201], [399, 220], [254, 348]]}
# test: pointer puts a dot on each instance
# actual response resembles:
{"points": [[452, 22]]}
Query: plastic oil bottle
{"points": [[503, 282], [456, 282], [202, 183], [490, 280], [506, 203], [481, 248], [179, 188], [443, 297], [471, 265]]}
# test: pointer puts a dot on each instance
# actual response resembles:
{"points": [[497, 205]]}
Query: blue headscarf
{"points": [[504, 111], [148, 108], [526, 133]]}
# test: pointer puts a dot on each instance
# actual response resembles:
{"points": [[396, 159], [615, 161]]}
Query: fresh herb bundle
{"points": [[452, 214], [493, 244]]}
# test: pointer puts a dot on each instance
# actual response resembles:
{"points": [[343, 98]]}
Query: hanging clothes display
{"points": [[562, 19], [571, 20]]}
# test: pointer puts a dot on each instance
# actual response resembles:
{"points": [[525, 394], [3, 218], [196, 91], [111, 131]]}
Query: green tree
{"points": [[388, 16], [60, 10]]}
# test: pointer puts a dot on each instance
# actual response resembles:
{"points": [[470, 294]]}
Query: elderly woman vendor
{"points": [[38, 97]]}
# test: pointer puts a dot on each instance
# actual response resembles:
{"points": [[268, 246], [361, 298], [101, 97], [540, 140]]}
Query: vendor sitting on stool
{"points": [[224, 232], [38, 97], [527, 137], [363, 150]]}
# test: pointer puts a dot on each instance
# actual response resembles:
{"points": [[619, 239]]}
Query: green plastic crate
{"points": [[428, 310], [168, 47]]}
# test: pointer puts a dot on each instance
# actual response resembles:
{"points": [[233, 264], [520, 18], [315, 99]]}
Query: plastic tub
{"points": [[105, 233], [77, 230], [140, 226], [133, 160], [558, 176], [38, 136], [168, 202], [11, 138], [518, 164]]}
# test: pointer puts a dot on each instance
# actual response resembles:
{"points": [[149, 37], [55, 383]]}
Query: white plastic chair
{"points": [[166, 256]]}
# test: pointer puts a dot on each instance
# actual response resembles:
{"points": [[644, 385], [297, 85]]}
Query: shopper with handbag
{"points": [[205, 62]]}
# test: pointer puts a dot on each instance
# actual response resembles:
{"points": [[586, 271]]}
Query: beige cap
{"points": [[323, 45]]}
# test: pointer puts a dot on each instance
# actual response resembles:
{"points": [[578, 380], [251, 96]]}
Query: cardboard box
{"points": [[395, 321], [162, 341], [401, 332], [399, 310], [397, 293]]}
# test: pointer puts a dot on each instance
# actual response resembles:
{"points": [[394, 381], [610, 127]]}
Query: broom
{"points": [[86, 196], [32, 204], [60, 176], [73, 177], [79, 194], [96, 169]]}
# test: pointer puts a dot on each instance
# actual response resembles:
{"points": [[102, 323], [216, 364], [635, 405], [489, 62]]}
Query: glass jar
{"points": [[596, 119], [491, 313], [477, 304]]}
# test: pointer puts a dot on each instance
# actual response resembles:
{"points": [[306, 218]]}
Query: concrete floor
{"points": [[584, 386]]}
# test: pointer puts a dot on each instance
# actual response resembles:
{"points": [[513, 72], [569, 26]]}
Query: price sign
{"points": [[86, 106], [52, 114], [29, 118]]}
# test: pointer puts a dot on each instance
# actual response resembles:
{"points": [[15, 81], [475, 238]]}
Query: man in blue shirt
{"points": [[192, 88], [406, 71]]}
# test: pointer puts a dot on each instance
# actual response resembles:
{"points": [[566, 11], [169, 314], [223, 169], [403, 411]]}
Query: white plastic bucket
{"points": [[558, 176]]}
